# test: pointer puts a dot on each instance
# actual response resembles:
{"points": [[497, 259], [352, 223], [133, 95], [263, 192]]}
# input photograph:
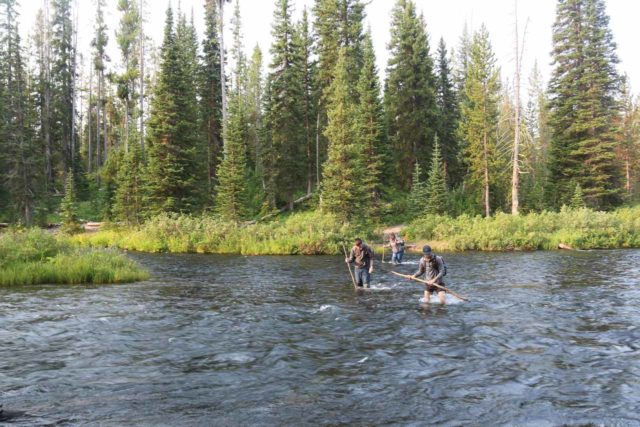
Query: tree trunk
{"points": [[90, 142], [98, 102], [141, 78], [223, 82]]}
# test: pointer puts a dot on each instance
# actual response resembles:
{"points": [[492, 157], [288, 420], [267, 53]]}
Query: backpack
{"points": [[444, 265]]}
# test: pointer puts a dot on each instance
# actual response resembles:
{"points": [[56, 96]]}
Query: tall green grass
{"points": [[311, 233], [37, 257], [307, 233], [578, 228]]}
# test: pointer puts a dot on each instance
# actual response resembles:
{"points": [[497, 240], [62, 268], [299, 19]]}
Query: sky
{"points": [[444, 19]]}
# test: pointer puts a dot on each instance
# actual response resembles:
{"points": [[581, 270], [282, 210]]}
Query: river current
{"points": [[547, 338]]}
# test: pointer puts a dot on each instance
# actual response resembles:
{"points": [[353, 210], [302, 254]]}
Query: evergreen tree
{"points": [[173, 170], [436, 184], [409, 91], [343, 173], [100, 59], [19, 154], [337, 24], [536, 145], [210, 90], [127, 37], [370, 134], [479, 113], [231, 203], [287, 163], [584, 88], [309, 69], [253, 103], [68, 207], [128, 203], [628, 149], [577, 200], [418, 196], [63, 59], [448, 116]]}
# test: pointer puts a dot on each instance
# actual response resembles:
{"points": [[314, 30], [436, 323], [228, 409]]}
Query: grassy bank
{"points": [[580, 229], [37, 257], [307, 233], [311, 233]]}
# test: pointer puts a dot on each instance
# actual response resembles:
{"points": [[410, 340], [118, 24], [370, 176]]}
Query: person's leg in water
{"points": [[441, 297], [366, 277], [399, 256], [394, 258], [359, 272]]}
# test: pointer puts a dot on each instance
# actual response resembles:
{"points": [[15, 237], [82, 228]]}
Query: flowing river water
{"points": [[548, 338]]}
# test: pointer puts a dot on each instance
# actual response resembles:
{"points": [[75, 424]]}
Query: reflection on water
{"points": [[547, 338]]}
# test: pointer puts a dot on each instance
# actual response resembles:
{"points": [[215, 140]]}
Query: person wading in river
{"points": [[397, 248], [362, 257], [434, 269]]}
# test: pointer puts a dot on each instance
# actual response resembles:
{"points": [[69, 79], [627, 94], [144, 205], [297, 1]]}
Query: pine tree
{"points": [[370, 134], [68, 207], [479, 113], [409, 91], [100, 58], [19, 153], [128, 202], [536, 145], [210, 90], [337, 24], [231, 203], [343, 173], [577, 200], [173, 173], [127, 37], [436, 184], [448, 117], [62, 83], [418, 196], [286, 123], [309, 69], [628, 149], [253, 103], [584, 88]]}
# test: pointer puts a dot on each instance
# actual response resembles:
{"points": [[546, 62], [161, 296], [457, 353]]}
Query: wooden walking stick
{"points": [[432, 284], [353, 279]]}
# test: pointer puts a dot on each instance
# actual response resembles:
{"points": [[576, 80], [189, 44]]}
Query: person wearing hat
{"points": [[433, 268]]}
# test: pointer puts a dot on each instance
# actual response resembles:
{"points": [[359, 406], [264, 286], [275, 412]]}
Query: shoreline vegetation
{"points": [[35, 257], [315, 233]]}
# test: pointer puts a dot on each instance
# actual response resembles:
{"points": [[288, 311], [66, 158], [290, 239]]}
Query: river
{"points": [[547, 338]]}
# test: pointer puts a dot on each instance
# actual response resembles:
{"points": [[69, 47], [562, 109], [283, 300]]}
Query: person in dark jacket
{"points": [[362, 257], [433, 268]]}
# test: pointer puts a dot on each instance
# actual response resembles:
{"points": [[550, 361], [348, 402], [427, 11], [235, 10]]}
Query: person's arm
{"points": [[421, 269], [352, 256]]}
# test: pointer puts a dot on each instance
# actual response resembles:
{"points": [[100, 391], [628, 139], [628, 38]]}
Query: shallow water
{"points": [[547, 338]]}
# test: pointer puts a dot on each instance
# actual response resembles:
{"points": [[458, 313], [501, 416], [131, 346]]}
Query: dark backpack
{"points": [[444, 265]]}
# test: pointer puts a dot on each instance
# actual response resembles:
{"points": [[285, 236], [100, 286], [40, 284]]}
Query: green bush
{"points": [[578, 228]]}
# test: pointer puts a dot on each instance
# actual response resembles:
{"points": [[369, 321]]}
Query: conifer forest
{"points": [[195, 126]]}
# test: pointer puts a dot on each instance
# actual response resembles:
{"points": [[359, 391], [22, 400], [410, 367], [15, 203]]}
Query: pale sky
{"points": [[444, 18]]}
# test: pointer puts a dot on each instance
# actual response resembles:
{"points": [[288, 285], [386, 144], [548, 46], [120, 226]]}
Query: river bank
{"points": [[314, 233], [35, 257]]}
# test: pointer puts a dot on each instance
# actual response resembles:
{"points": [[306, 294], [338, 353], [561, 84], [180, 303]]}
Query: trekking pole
{"points": [[353, 279], [433, 284]]}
